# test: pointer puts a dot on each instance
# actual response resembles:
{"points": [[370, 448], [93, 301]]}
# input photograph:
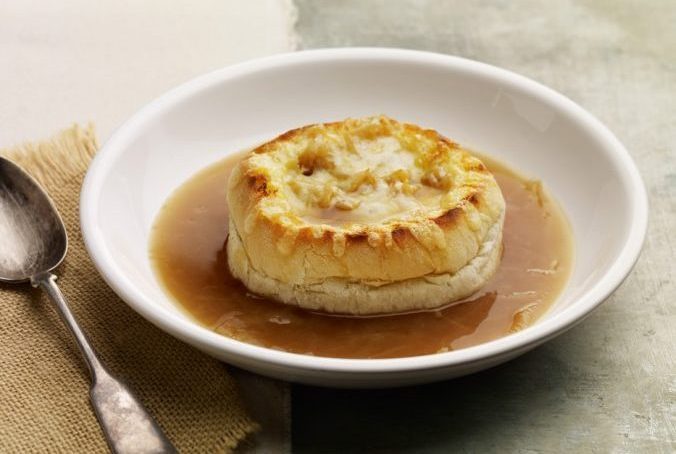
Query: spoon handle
{"points": [[127, 425]]}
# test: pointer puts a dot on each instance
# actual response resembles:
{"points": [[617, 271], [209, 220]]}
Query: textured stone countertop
{"points": [[608, 385]]}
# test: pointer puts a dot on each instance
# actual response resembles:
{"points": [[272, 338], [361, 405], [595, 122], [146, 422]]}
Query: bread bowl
{"points": [[364, 216]]}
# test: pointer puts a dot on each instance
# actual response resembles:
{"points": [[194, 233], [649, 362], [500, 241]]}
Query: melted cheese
{"points": [[364, 171]]}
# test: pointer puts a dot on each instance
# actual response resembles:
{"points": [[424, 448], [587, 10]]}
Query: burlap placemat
{"points": [[44, 402]]}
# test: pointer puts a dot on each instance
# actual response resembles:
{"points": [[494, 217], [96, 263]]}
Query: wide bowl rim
{"points": [[200, 336]]}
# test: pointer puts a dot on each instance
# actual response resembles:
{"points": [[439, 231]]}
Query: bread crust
{"points": [[426, 257]]}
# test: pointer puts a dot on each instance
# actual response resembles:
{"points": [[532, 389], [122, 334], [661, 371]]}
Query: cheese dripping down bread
{"points": [[364, 216]]}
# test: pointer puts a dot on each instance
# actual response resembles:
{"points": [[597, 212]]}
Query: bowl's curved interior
{"points": [[509, 117]]}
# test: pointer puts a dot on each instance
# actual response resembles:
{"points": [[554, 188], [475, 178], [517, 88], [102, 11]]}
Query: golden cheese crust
{"points": [[336, 216]]}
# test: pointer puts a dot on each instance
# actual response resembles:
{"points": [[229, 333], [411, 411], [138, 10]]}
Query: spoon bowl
{"points": [[32, 235]]}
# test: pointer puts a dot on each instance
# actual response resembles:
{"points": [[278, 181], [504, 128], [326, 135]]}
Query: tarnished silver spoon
{"points": [[32, 243]]}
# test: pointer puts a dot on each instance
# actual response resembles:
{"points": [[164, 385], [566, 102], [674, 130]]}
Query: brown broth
{"points": [[188, 254]]}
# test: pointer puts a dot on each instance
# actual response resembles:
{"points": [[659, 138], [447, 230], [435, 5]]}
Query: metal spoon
{"points": [[32, 243]]}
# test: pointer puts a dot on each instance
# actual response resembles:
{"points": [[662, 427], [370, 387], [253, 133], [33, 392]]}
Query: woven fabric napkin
{"points": [[44, 401]]}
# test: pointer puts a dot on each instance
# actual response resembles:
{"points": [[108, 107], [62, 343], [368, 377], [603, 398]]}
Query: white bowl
{"points": [[521, 122]]}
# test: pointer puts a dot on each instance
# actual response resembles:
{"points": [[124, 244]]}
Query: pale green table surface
{"points": [[608, 385]]}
